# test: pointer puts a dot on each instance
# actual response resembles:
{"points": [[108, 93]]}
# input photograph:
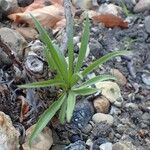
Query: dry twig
{"points": [[69, 22]]}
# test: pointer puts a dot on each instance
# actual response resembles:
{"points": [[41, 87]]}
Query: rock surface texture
{"points": [[43, 141], [9, 136]]}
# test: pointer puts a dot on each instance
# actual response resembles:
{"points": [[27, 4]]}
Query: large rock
{"points": [[111, 91], [14, 40], [82, 114], [9, 136], [110, 9], [43, 141], [142, 6]]}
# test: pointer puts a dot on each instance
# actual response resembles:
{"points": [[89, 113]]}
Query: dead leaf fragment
{"points": [[110, 21], [40, 4], [24, 107], [48, 16]]}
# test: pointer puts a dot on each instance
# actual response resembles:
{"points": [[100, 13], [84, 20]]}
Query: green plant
{"points": [[125, 9], [68, 75]]}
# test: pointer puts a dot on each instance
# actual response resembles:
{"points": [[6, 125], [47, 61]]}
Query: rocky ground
{"points": [[116, 119]]}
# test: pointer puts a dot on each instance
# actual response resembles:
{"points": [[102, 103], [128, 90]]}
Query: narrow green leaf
{"points": [[46, 117], [125, 10], [102, 60], [62, 112], [48, 83], [71, 100], [61, 67], [50, 61], [75, 78], [84, 91], [84, 43], [98, 78]]}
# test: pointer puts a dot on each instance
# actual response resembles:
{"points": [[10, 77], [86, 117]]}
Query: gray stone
{"points": [[100, 117], [110, 9], [101, 130], [146, 118], [106, 146], [95, 48], [131, 105], [58, 147], [4, 60], [79, 145], [121, 128], [7, 6], [82, 114], [115, 111], [146, 78], [87, 129], [147, 24], [142, 6], [98, 142], [14, 40]]}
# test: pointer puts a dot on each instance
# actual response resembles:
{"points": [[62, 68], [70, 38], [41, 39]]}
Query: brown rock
{"points": [[27, 32], [123, 146], [43, 141], [121, 79], [101, 104]]}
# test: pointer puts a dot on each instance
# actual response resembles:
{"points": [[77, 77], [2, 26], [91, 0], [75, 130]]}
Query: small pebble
{"points": [[146, 78], [123, 146], [146, 118], [100, 117], [79, 145], [87, 128], [115, 111], [89, 143], [101, 131], [131, 105], [101, 104], [98, 142], [121, 79], [106, 146]]}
